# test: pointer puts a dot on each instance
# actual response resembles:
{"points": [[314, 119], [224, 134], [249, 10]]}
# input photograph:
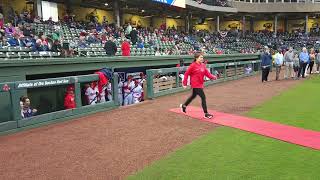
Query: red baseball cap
{"points": [[70, 88]]}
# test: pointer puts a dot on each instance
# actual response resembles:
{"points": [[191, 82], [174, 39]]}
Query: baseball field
{"points": [[147, 141]]}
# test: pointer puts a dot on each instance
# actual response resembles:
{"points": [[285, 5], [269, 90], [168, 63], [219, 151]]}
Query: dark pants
{"points": [[265, 73], [278, 69], [195, 92], [311, 66], [302, 69]]}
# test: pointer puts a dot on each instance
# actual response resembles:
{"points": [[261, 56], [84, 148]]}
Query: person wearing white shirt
{"points": [[137, 92], [91, 93], [127, 87], [278, 63]]}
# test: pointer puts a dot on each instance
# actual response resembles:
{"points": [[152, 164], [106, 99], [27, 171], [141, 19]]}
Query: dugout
{"points": [[50, 99]]}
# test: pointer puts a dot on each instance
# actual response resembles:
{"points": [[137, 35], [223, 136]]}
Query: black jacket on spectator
{"points": [[134, 36], [111, 48], [56, 48], [27, 32]]}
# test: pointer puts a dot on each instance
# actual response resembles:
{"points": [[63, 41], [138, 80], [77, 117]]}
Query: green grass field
{"points": [[227, 153]]}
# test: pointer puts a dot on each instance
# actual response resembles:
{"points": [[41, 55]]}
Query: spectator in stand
{"points": [[29, 42], [29, 19], [1, 21], [91, 39], [37, 20], [20, 29], [27, 111], [288, 61], [16, 41], [21, 19], [125, 47], [304, 60], [82, 42], [2, 40], [56, 47], [50, 21], [157, 53], [134, 36], [56, 35], [140, 44], [104, 21], [28, 32], [99, 27], [40, 46], [110, 47], [10, 30], [45, 43], [128, 29]]}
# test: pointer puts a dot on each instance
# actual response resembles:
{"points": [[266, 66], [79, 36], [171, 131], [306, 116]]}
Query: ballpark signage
{"points": [[42, 83], [178, 3]]}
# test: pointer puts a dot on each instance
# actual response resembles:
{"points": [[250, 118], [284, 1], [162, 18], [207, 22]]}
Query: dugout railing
{"points": [[166, 81]]}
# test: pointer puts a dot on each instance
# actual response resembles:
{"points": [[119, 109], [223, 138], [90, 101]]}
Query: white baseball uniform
{"points": [[127, 93], [137, 91], [91, 94]]}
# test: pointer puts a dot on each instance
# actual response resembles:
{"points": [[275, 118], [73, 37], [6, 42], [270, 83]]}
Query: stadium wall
{"points": [[207, 25], [82, 12], [136, 20], [18, 5]]}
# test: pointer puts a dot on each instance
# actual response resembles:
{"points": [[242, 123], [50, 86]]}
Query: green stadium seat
{"points": [[34, 55], [14, 49], [12, 55], [2, 55], [54, 54], [90, 54], [44, 54], [23, 55]]}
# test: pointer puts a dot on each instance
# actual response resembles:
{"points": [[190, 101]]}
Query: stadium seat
{"points": [[12, 55], [23, 55]]}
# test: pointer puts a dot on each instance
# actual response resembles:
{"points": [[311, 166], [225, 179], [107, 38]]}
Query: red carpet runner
{"points": [[282, 132]]}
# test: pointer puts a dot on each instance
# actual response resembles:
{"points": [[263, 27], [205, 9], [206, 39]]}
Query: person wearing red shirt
{"points": [[125, 47], [69, 101], [197, 71]]}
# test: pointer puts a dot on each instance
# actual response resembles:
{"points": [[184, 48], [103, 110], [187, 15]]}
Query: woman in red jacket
{"points": [[125, 47], [197, 71]]}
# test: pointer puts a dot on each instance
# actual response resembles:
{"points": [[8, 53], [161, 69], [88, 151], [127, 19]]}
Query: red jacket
{"points": [[103, 80], [125, 47], [197, 72], [69, 101]]}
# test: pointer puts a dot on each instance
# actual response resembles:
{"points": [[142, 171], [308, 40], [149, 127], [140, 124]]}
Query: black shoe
{"points": [[183, 108], [208, 116]]}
